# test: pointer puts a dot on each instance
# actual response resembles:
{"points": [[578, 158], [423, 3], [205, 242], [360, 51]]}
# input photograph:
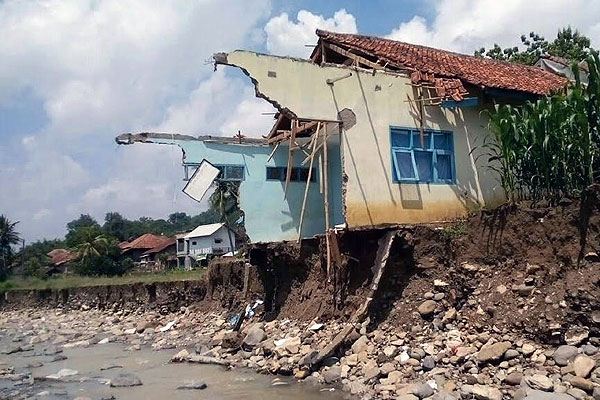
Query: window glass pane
{"points": [[400, 138], [417, 140], [441, 141], [232, 172], [295, 176], [424, 165], [405, 165], [444, 167], [274, 173]]}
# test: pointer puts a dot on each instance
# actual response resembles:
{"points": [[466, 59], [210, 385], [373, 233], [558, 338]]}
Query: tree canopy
{"points": [[568, 44]]}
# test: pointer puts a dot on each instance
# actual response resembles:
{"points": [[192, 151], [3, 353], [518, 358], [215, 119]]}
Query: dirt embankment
{"points": [[519, 267]]}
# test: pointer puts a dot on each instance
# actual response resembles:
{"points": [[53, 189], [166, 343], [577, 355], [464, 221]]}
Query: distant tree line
{"points": [[568, 44], [94, 245]]}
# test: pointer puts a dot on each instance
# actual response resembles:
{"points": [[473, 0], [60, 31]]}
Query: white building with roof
{"points": [[204, 242]]}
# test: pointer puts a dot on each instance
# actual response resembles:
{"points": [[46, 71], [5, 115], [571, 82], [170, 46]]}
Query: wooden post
{"points": [[421, 117], [315, 139], [326, 202], [290, 157]]}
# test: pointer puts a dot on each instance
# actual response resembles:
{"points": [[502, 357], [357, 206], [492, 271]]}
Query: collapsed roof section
{"points": [[448, 72], [157, 137]]}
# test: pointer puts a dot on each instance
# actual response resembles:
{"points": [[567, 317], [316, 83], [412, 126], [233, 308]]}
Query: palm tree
{"points": [[92, 245], [224, 200], [8, 237]]}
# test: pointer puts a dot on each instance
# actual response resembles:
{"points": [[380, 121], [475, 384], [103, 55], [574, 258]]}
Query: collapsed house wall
{"points": [[380, 101], [270, 215]]}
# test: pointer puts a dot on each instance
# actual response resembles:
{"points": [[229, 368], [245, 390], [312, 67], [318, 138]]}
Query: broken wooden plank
{"points": [[378, 268], [383, 253], [314, 144], [290, 163], [326, 202], [273, 152]]}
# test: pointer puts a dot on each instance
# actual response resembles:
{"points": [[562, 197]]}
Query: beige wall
{"points": [[379, 101]]}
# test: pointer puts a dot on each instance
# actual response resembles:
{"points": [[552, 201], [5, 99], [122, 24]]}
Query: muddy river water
{"points": [[97, 364]]}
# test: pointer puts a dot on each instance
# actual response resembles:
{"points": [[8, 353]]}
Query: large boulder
{"points": [[539, 382], [427, 308], [125, 380], [583, 365], [564, 354], [492, 352], [254, 336]]}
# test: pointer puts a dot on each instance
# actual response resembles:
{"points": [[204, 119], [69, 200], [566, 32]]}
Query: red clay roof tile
{"points": [[444, 64]]}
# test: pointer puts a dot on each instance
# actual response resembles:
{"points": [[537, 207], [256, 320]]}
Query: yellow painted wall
{"points": [[379, 101]]}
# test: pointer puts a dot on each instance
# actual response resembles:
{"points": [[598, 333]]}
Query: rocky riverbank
{"points": [[502, 305], [442, 358]]}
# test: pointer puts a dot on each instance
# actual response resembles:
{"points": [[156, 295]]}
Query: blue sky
{"points": [[74, 74]]}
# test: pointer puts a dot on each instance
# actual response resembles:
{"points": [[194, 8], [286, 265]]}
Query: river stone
{"points": [[254, 336], [582, 383], [539, 382], [539, 395], [407, 397], [589, 349], [422, 390], [583, 365], [577, 393], [428, 363], [492, 352], [527, 349], [332, 375], [481, 392], [564, 354], [514, 378], [576, 335], [194, 385], [443, 396], [427, 308], [360, 344], [63, 373], [231, 340], [125, 380]]}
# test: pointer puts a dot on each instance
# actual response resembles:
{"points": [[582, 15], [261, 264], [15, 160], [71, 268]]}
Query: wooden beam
{"points": [[273, 152], [274, 128], [354, 57], [326, 203], [315, 139], [290, 164]]}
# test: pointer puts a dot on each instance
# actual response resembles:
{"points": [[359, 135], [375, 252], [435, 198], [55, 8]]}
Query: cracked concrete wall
{"points": [[371, 197], [268, 216]]}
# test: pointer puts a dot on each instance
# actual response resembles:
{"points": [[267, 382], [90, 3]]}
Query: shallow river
{"points": [[160, 378]]}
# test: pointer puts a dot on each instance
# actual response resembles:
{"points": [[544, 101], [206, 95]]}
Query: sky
{"points": [[76, 73]]}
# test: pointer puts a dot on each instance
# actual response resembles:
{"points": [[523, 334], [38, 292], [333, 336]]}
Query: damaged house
{"points": [[369, 132]]}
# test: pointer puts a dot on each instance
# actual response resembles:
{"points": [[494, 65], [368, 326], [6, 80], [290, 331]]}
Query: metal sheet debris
{"points": [[201, 180]]}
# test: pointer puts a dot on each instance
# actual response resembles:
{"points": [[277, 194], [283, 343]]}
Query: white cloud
{"points": [[467, 25], [28, 141], [285, 37], [103, 67]]}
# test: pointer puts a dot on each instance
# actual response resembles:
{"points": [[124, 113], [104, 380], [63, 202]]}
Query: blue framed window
{"points": [[430, 160]]}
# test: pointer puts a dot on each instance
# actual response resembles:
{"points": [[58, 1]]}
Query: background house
{"points": [[136, 248], [197, 246], [160, 257]]}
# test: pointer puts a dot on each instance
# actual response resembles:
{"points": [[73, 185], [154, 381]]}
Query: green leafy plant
{"points": [[549, 148]]}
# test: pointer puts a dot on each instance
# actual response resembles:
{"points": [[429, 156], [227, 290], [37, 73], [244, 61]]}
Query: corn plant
{"points": [[549, 148]]}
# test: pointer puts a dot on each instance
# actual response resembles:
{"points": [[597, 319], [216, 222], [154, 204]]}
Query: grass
{"points": [[455, 231], [74, 281]]}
